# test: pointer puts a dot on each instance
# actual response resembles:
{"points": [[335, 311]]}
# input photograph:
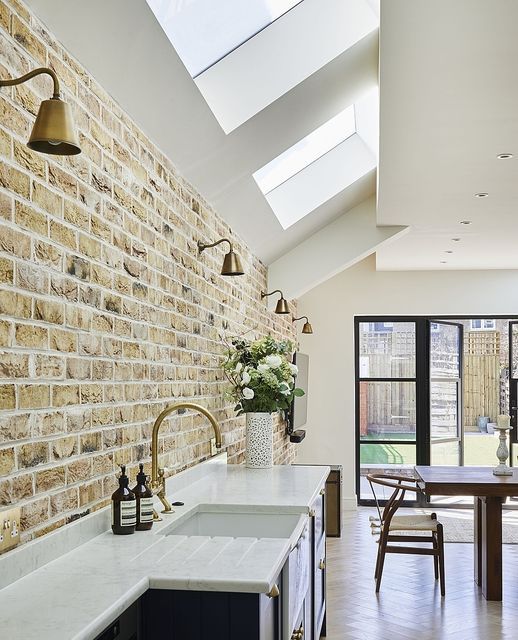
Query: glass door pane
{"points": [[386, 398], [513, 390], [445, 393]]}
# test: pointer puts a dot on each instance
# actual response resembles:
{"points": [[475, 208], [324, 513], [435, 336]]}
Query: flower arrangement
{"points": [[262, 378]]}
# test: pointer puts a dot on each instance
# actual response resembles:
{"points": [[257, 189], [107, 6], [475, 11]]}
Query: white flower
{"points": [[291, 380], [245, 378], [294, 369], [263, 368], [248, 393], [239, 366], [284, 389], [273, 361]]}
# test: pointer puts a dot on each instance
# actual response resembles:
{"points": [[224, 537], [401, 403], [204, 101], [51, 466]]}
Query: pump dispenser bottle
{"points": [[144, 497], [124, 507]]}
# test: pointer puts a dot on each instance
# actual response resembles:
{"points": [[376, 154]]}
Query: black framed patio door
{"points": [[513, 389], [446, 437]]}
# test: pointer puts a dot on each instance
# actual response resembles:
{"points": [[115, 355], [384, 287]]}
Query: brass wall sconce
{"points": [[231, 262], [282, 304], [53, 131], [306, 327]]}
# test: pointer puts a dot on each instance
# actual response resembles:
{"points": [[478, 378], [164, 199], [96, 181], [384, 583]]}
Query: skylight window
{"points": [[306, 151], [205, 31], [324, 164]]}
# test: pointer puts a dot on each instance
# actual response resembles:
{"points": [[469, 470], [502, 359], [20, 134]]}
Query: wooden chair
{"points": [[392, 528]]}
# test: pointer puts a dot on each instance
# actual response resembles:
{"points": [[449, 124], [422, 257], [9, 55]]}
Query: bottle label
{"points": [[128, 513], [146, 510]]}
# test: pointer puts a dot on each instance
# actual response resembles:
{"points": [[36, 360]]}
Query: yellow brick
{"points": [[5, 140], [47, 199], [28, 335], [50, 479], [7, 461], [15, 304], [6, 206], [33, 396], [52, 312], [29, 159], [5, 16], [63, 235], [28, 40], [26, 216], [89, 247], [61, 340], [6, 270], [62, 180], [14, 365], [76, 215], [14, 180], [34, 513], [64, 395], [5, 331], [15, 242]]}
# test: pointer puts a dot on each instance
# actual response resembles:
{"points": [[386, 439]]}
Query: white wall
{"points": [[361, 290]]}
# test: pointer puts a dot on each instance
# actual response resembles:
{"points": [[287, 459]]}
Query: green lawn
{"points": [[479, 449]]}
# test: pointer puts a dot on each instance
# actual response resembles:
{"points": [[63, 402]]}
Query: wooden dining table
{"points": [[489, 493]]}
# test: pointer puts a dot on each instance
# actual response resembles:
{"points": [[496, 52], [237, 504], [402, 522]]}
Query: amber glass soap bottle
{"points": [[124, 507], [144, 497]]}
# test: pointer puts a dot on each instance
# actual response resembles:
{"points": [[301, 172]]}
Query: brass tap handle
{"points": [[161, 492], [322, 564], [274, 592]]}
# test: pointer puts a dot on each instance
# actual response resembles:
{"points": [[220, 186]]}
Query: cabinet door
{"points": [[318, 509], [319, 592], [269, 618], [301, 625]]}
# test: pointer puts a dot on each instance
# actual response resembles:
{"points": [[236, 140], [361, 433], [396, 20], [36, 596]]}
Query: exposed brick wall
{"points": [[107, 314]]}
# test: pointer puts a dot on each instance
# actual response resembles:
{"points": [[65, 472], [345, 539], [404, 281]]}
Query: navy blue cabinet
{"points": [[202, 615]]}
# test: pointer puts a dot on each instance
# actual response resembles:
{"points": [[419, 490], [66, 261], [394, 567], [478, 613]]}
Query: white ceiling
{"points": [[125, 49], [449, 106]]}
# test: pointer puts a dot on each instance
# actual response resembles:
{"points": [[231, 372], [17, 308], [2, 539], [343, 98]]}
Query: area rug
{"points": [[458, 529]]}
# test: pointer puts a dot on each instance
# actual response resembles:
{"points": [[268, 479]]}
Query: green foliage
{"points": [[261, 375]]}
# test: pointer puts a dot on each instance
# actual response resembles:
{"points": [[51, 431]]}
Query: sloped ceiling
{"points": [[125, 49]]}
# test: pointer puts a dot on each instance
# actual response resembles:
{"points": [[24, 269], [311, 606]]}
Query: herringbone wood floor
{"points": [[409, 605]]}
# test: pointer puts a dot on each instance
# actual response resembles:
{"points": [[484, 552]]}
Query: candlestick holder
{"points": [[502, 453]]}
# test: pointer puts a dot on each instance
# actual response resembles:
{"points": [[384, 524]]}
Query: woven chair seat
{"points": [[413, 523]]}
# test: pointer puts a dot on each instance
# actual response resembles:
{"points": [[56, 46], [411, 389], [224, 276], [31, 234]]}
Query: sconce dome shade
{"points": [[232, 265], [54, 130], [282, 306], [307, 328]]}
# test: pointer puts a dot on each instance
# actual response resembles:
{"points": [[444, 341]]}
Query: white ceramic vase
{"points": [[259, 440]]}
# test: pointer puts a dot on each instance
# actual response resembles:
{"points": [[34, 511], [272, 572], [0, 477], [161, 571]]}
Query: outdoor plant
{"points": [[261, 375]]}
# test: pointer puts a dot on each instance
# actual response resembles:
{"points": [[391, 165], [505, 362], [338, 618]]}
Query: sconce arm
{"points": [[301, 318], [202, 246], [266, 295], [32, 74]]}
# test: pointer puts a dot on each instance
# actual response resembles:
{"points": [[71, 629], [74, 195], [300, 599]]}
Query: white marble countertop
{"points": [[78, 594]]}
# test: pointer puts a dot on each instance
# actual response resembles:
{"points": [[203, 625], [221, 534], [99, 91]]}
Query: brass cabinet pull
{"points": [[299, 634], [274, 592], [322, 564]]}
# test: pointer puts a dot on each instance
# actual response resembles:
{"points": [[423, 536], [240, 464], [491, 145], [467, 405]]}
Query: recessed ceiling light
{"points": [[481, 194], [465, 222], [504, 156], [456, 239]]}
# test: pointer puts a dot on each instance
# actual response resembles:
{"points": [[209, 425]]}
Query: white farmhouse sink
{"points": [[235, 524]]}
